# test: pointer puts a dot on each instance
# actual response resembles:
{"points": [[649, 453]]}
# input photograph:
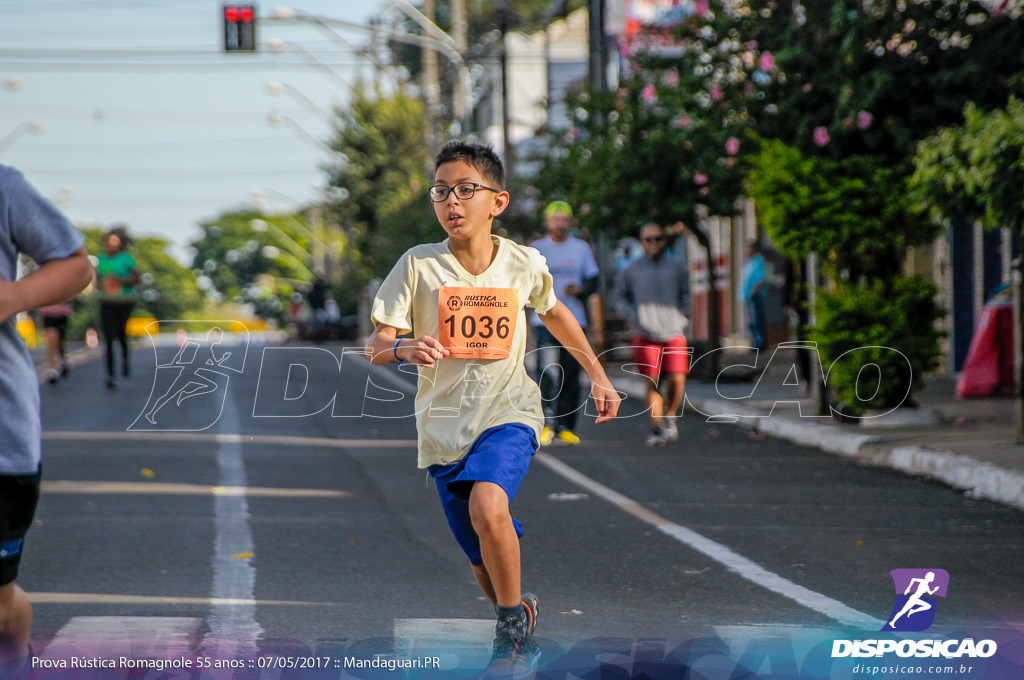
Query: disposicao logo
{"points": [[913, 611], [916, 590]]}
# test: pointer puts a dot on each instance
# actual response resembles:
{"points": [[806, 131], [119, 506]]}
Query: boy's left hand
{"points": [[606, 398]]}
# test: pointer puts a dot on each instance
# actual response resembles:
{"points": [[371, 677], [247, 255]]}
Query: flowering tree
{"points": [[847, 86], [670, 142]]}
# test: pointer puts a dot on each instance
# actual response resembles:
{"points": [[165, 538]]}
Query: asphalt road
{"points": [[282, 510]]}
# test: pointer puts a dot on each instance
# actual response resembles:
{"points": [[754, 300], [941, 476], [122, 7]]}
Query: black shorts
{"points": [[19, 495], [58, 322]]}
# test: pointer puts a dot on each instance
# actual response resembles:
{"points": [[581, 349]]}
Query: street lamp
{"points": [[440, 42], [276, 119], [35, 127], [279, 45], [277, 87]]}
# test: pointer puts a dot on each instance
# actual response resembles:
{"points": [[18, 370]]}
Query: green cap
{"points": [[558, 208]]}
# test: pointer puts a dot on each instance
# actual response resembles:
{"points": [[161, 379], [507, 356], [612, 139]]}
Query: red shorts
{"points": [[654, 357]]}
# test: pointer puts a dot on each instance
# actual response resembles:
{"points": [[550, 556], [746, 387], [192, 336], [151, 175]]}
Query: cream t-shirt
{"points": [[459, 398]]}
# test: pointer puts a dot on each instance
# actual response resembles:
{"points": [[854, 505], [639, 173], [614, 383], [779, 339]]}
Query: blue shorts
{"points": [[501, 455]]}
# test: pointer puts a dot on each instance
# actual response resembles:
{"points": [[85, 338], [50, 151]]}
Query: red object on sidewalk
{"points": [[988, 369]]}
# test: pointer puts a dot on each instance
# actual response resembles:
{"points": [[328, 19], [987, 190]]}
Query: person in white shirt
{"points": [[574, 270]]}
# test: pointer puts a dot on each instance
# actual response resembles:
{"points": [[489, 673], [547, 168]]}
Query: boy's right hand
{"points": [[423, 351], [606, 398]]}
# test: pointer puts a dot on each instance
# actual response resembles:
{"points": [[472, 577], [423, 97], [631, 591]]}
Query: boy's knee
{"points": [[488, 507]]}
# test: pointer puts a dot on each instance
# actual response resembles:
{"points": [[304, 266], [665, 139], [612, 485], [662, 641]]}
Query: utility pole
{"points": [[431, 85], [598, 64], [504, 17], [459, 35]]}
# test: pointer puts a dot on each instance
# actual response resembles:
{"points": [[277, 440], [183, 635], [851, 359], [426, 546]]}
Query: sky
{"points": [[145, 120]]}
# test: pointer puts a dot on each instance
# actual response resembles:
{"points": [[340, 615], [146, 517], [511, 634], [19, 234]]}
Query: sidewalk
{"points": [[967, 444]]}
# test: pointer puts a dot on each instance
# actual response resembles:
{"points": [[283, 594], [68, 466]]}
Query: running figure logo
{"points": [[201, 367], [914, 608]]}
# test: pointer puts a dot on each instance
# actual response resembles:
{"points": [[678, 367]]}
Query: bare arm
{"points": [[563, 325], [422, 351], [56, 281]]}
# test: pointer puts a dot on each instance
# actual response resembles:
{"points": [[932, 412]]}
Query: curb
{"points": [[980, 479]]}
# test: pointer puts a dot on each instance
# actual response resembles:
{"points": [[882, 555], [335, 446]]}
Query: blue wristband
{"points": [[394, 350]]}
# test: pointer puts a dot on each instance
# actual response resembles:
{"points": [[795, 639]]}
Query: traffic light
{"points": [[239, 28]]}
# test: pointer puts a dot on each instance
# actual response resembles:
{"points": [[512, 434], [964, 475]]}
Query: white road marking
{"points": [[110, 598], [326, 442], [459, 643], [70, 487], [733, 561], [135, 637], [233, 628]]}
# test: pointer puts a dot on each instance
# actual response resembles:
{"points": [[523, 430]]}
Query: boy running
{"points": [[478, 413]]}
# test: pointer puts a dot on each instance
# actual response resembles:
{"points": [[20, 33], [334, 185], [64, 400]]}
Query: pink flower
{"points": [[847, 122], [649, 93], [864, 120], [807, 88], [767, 62], [700, 7], [672, 79], [732, 146], [700, 179], [821, 137], [682, 121], [716, 92]]}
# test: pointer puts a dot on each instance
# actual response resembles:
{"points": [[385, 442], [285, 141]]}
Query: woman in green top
{"points": [[117, 277]]}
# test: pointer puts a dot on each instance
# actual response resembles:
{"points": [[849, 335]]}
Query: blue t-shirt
{"points": [[31, 225], [753, 273]]}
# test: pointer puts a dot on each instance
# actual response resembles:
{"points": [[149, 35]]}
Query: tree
{"points": [[669, 145], [383, 140], [246, 266], [854, 77]]}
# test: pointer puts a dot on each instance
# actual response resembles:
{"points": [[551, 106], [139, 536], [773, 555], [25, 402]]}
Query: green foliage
{"points": [[878, 76], [976, 168], [262, 268], [852, 211], [383, 140], [891, 326], [672, 138]]}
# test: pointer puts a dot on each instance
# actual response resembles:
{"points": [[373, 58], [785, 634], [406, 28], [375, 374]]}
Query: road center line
{"points": [[233, 628], [731, 560]]}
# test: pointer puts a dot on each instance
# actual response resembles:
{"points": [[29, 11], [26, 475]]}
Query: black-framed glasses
{"points": [[653, 239], [463, 191]]}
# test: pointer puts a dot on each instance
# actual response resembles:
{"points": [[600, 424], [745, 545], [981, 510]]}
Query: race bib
{"points": [[477, 323]]}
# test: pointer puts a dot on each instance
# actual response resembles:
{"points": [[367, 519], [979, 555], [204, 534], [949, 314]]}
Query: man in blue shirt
{"points": [[754, 279]]}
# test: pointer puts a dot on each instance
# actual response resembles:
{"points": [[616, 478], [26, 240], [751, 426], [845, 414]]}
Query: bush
{"points": [[877, 342]]}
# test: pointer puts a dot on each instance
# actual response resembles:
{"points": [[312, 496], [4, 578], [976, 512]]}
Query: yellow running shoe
{"points": [[547, 435], [568, 437]]}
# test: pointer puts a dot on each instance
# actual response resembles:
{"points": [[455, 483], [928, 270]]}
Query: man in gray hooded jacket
{"points": [[653, 294]]}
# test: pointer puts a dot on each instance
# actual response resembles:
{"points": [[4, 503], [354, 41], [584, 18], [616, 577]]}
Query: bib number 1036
{"points": [[477, 323], [482, 328]]}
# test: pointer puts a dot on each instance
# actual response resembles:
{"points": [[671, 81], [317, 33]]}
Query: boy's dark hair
{"points": [[480, 157]]}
